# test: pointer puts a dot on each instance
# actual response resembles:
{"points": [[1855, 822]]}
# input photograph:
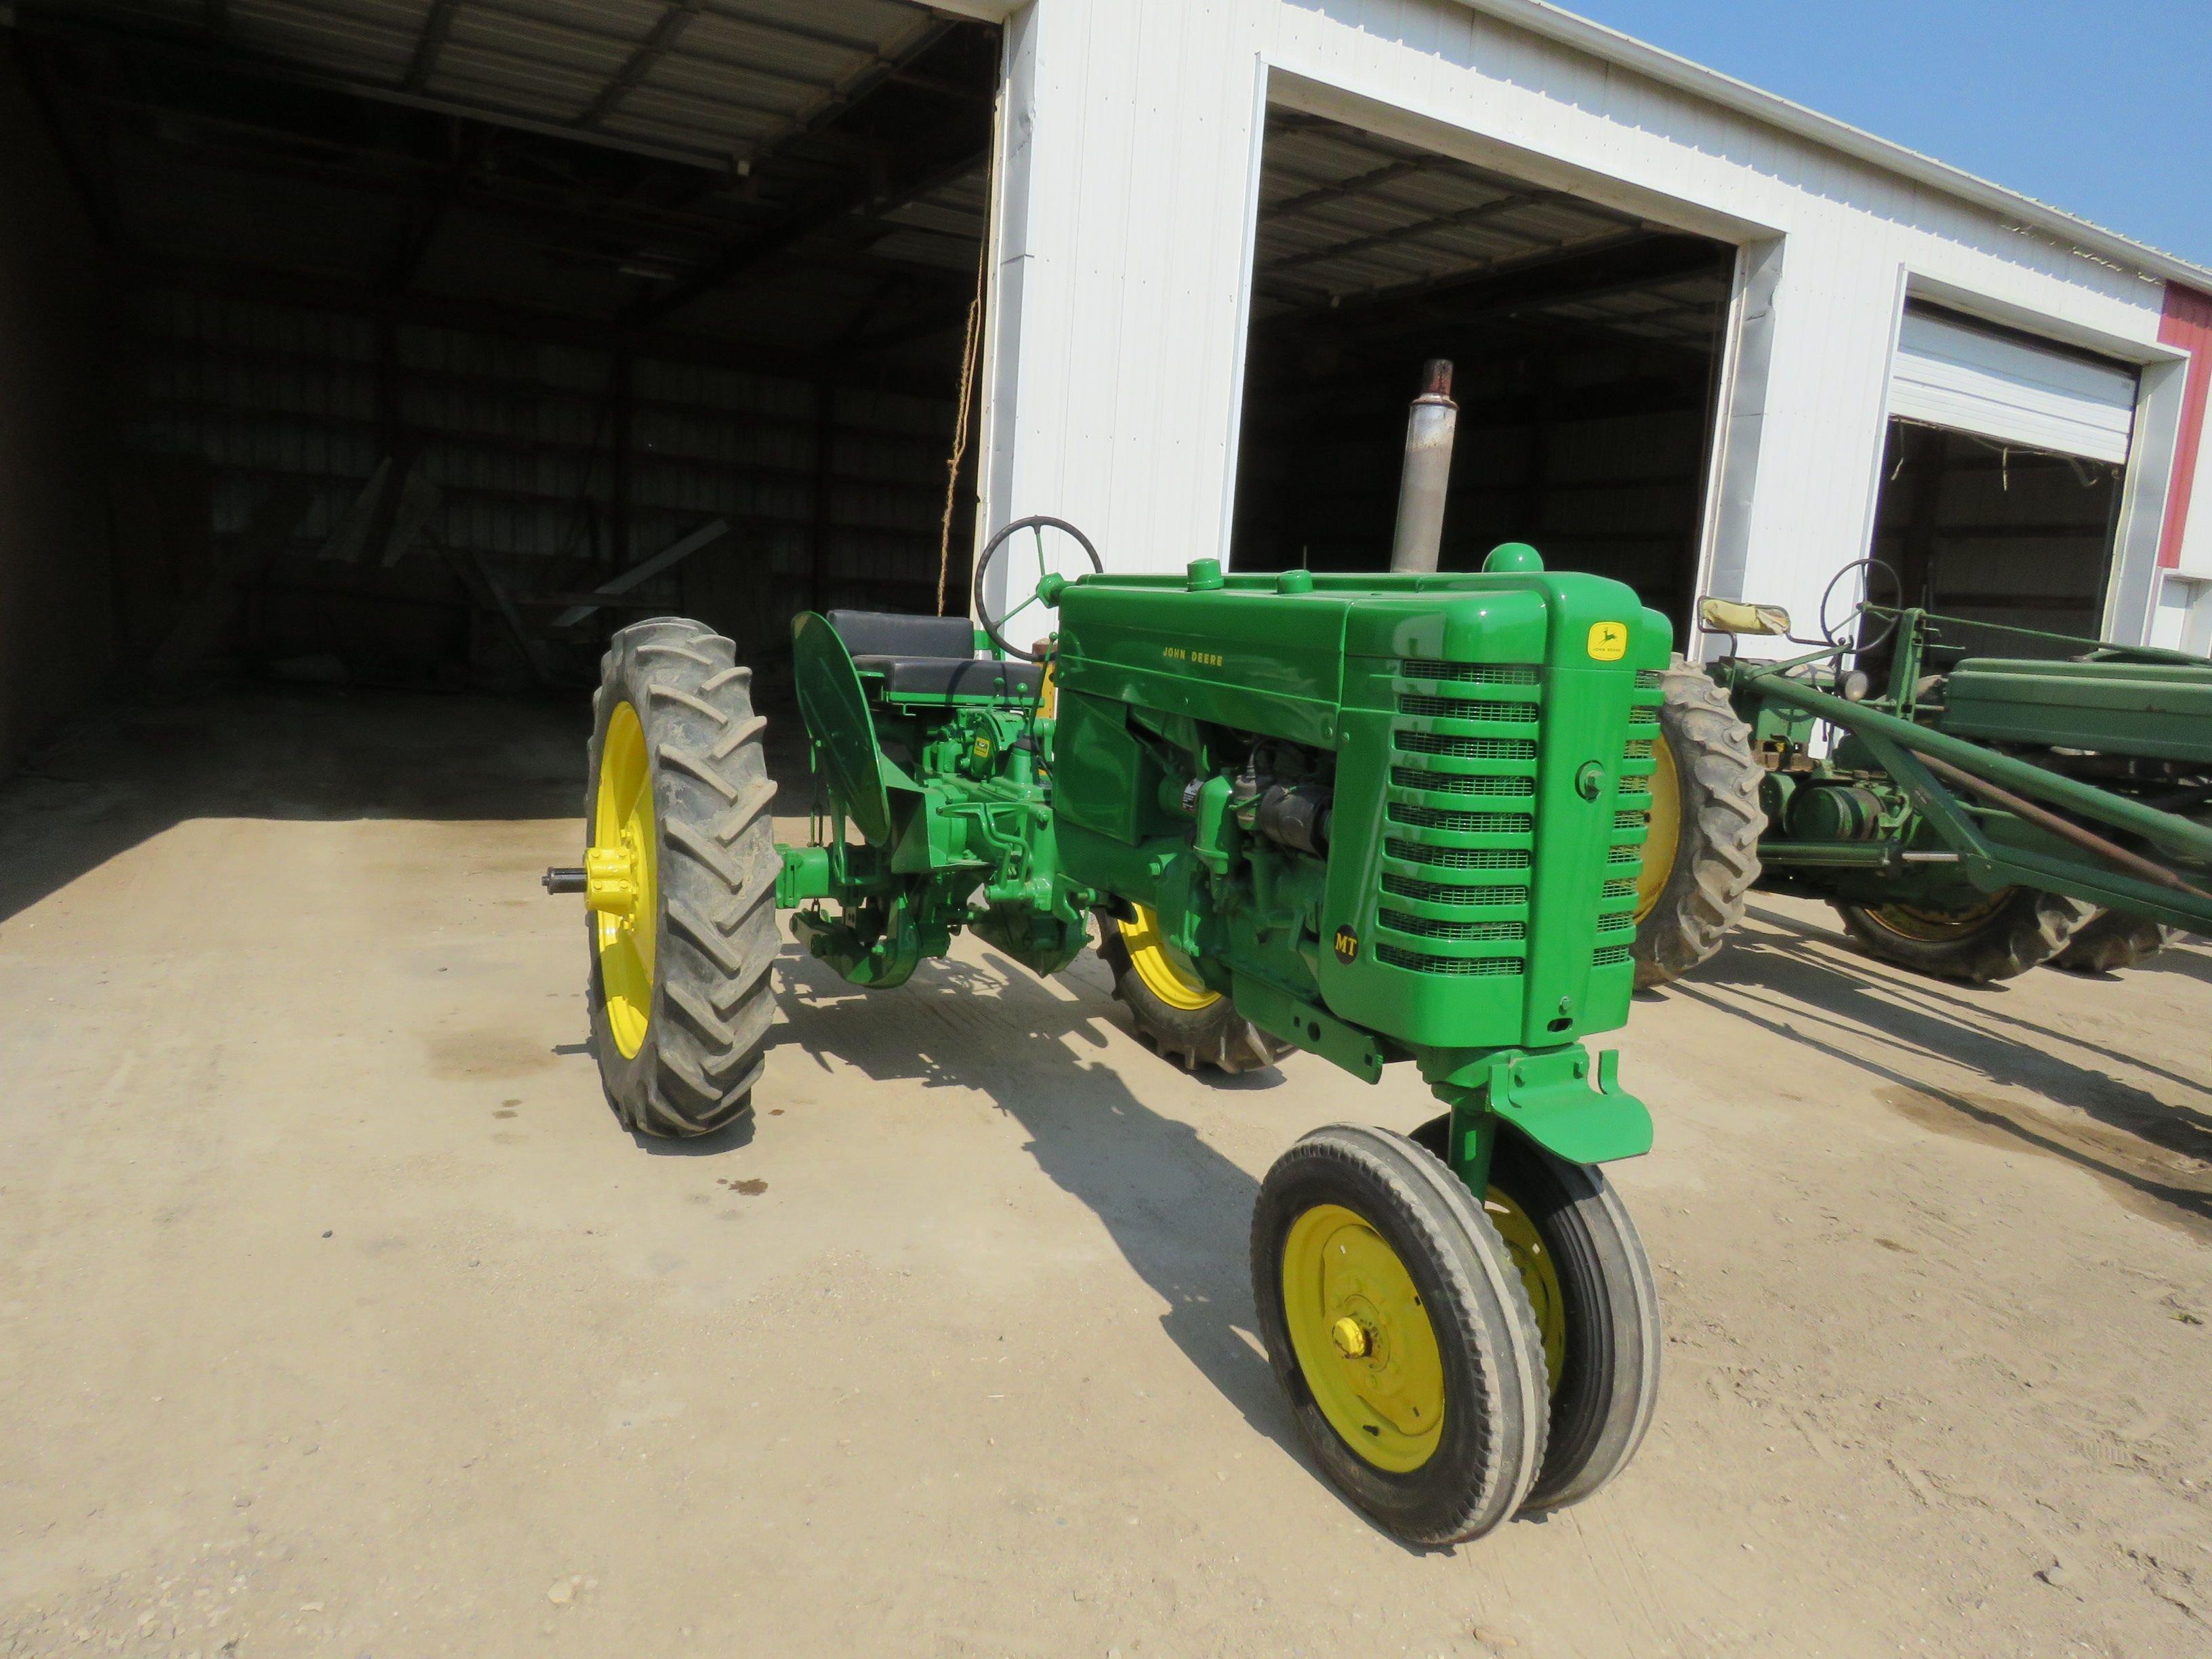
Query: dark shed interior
{"points": [[1587, 347], [366, 343]]}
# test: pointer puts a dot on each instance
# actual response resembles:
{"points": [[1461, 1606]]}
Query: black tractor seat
{"points": [[931, 656]]}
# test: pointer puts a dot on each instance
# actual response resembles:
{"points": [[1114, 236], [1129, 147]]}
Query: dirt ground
{"points": [[338, 1316]]}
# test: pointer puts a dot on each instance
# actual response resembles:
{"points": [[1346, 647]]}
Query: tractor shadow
{"points": [[1178, 1211], [1896, 1026]]}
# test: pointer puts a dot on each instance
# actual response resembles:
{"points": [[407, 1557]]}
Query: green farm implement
{"points": [[1977, 816], [1389, 820]]}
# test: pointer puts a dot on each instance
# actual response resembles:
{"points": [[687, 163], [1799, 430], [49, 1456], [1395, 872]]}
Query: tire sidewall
{"points": [[1486, 1455], [2030, 928], [1607, 1392], [1608, 1383], [626, 1077], [1703, 895]]}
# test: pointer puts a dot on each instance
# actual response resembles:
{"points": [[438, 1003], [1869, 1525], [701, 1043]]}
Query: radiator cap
{"points": [[1512, 559]]}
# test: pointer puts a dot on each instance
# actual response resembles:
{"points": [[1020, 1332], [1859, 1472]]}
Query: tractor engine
{"points": [[1393, 817]]}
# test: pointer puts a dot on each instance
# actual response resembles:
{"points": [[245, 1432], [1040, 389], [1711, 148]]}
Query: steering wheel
{"points": [[1036, 525], [1861, 647]]}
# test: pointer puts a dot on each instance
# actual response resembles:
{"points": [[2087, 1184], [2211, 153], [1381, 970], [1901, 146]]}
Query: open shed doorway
{"points": [[2001, 482], [427, 321], [1587, 346]]}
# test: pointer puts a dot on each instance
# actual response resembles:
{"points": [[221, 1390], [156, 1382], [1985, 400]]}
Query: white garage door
{"points": [[1953, 375]]}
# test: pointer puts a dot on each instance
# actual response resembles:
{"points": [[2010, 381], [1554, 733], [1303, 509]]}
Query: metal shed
{"points": [[373, 337]]}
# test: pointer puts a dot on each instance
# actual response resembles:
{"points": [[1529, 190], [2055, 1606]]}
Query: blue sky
{"points": [[2105, 110]]}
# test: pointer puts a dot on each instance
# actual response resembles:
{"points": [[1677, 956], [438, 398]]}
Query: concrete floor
{"points": [[338, 1316]]}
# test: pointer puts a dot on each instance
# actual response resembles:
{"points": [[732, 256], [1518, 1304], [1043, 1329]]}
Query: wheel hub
{"points": [[1362, 1338], [611, 877]]}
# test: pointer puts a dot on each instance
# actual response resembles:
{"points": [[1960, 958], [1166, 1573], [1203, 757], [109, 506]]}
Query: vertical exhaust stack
{"points": [[1426, 481]]}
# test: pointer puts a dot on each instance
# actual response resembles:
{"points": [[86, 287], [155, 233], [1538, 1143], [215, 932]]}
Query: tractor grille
{"points": [[1471, 673], [1495, 749], [1463, 824], [1455, 878], [1456, 783], [1522, 713], [1631, 825], [1452, 892], [1459, 858], [1431, 927], [1420, 964]]}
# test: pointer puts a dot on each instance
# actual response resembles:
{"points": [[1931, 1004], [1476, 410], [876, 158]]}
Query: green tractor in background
{"points": [[1975, 818], [1392, 821]]}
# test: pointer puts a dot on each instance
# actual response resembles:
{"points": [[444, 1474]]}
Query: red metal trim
{"points": [[2186, 324]]}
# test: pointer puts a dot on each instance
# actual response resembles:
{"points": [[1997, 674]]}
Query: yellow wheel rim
{"points": [[1540, 1276], [621, 889], [1937, 927], [1665, 833], [1363, 1339], [1165, 971]]}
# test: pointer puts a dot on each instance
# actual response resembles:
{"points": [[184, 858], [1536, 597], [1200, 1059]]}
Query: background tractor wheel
{"points": [[2113, 940], [1596, 1305], [680, 872], [1397, 1326], [1173, 1009], [2007, 935], [1701, 855]]}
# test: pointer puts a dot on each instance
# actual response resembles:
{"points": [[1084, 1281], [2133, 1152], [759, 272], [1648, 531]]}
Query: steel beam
{"points": [[436, 28]]}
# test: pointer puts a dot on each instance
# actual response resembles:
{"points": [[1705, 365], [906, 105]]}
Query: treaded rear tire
{"points": [[2027, 930], [2112, 940], [1716, 854], [712, 999], [1495, 1413], [1215, 1038]]}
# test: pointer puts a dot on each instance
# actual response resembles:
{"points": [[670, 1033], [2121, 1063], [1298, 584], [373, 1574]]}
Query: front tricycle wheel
{"points": [[1596, 1304], [1399, 1329]]}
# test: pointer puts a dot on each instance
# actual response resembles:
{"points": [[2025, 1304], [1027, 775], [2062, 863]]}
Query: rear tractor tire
{"points": [[1175, 1010], [1701, 852], [2113, 940], [681, 867], [2004, 936]]}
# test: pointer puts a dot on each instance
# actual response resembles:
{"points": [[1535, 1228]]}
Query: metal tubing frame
{"points": [[1899, 744]]}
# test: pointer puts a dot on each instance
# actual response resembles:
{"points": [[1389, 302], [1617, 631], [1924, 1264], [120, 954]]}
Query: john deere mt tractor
{"points": [[1393, 821]]}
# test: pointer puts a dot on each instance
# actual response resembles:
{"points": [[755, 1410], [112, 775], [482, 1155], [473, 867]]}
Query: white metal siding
{"points": [[1126, 198], [1967, 379], [2197, 534]]}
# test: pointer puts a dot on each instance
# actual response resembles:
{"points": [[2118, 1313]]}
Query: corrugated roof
{"points": [[714, 81], [1344, 213]]}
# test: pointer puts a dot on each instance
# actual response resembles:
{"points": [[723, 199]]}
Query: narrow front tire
{"points": [[1596, 1303], [1397, 1326]]}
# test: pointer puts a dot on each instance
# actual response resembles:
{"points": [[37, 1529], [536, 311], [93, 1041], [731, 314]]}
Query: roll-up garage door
{"points": [[1950, 374]]}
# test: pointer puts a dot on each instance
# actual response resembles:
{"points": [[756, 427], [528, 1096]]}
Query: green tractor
{"points": [[1976, 817], [1388, 820]]}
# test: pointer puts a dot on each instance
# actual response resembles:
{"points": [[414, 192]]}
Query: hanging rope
{"points": [[970, 352]]}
